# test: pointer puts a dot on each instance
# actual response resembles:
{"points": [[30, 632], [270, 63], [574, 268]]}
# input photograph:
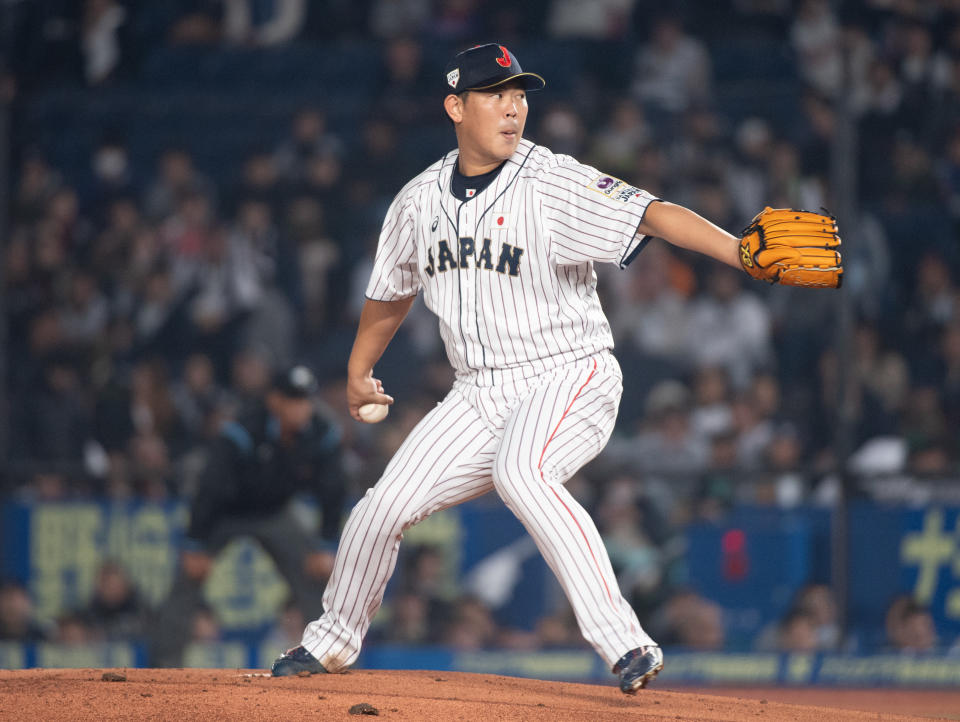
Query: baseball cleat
{"points": [[296, 662], [638, 667]]}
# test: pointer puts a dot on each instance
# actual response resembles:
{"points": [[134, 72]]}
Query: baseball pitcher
{"points": [[501, 236]]}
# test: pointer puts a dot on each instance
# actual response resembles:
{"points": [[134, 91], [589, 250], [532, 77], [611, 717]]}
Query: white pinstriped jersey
{"points": [[509, 272]]}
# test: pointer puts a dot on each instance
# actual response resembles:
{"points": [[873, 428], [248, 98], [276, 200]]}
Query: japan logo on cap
{"points": [[453, 77]]}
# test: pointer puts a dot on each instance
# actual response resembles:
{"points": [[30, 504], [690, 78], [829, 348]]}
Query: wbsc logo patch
{"points": [[614, 188], [453, 77]]}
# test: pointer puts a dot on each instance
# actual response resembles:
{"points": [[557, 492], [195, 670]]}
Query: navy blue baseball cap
{"points": [[487, 66]]}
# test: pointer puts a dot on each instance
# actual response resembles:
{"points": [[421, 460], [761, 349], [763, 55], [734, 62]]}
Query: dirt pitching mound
{"points": [[193, 694]]}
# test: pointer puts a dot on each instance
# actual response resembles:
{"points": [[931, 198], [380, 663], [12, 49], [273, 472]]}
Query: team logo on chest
{"points": [[445, 258]]}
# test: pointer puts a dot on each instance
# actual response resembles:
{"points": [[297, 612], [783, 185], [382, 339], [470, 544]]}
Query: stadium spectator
{"points": [[259, 24], [111, 176], [559, 630], [316, 252], [931, 307], [746, 176], [665, 442], [797, 632], [260, 178], [471, 625], [175, 178], [561, 127], [716, 490], [158, 321], [634, 533], [38, 182], [672, 72], [72, 630], [204, 627], [616, 143], [650, 311], [258, 244], [396, 18], [202, 404], [69, 226], [816, 35], [711, 413], [405, 83], [924, 423], [151, 468], [753, 409], [17, 621], [408, 622], [278, 448], [84, 316], [909, 626], [949, 375], [882, 371], [786, 485], [426, 573], [112, 252], [819, 602], [880, 96], [455, 20], [56, 420], [729, 327], [309, 139], [923, 70], [115, 612], [250, 372], [196, 22], [690, 621], [600, 20], [701, 150], [102, 40], [285, 632], [787, 186]]}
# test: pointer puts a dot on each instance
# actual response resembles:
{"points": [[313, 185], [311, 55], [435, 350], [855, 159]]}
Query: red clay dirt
{"points": [[194, 694]]}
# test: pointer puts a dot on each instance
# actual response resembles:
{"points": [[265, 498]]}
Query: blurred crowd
{"points": [[424, 611], [146, 303]]}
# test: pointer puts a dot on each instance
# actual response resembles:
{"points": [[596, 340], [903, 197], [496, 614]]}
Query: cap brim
{"points": [[531, 81]]}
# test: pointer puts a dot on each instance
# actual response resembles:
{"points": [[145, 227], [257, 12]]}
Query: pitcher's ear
{"points": [[453, 104]]}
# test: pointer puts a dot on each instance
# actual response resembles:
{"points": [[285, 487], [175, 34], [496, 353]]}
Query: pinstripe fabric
{"points": [[445, 460], [510, 275], [523, 439], [549, 207]]}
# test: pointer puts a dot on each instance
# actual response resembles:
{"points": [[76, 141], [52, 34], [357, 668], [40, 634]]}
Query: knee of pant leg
{"points": [[511, 476], [385, 513]]}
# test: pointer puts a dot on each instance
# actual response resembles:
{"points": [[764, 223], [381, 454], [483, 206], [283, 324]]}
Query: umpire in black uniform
{"points": [[281, 446]]}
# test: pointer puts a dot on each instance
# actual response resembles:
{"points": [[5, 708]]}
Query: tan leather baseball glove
{"points": [[795, 248]]}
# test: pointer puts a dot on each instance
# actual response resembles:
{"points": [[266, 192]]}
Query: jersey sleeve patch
{"points": [[614, 188]]}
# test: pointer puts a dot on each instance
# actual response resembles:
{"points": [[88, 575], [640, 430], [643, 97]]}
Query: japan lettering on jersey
{"points": [[509, 271]]}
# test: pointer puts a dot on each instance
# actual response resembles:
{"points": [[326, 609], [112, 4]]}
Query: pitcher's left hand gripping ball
{"points": [[795, 248]]}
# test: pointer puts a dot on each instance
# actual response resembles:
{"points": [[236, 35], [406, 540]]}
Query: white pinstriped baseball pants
{"points": [[522, 438]]}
